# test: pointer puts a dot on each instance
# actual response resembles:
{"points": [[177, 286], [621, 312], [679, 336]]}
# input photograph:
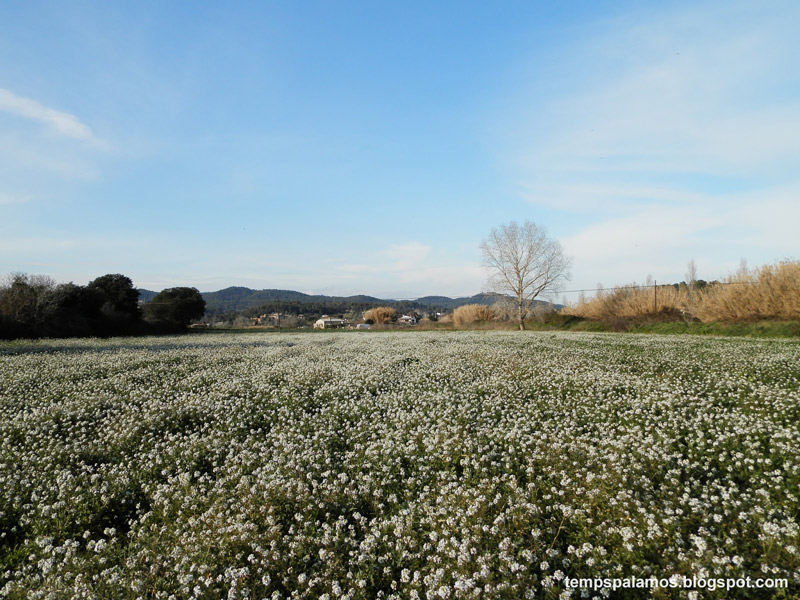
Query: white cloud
{"points": [[61, 122], [358, 268], [410, 252], [680, 143], [6, 198], [659, 239], [21, 155], [611, 197], [396, 258], [691, 111], [141, 257], [411, 270], [53, 245], [708, 88]]}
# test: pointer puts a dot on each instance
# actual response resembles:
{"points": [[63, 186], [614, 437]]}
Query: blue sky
{"points": [[368, 147]]}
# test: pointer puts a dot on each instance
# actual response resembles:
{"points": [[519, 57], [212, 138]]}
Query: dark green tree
{"points": [[119, 297], [23, 305], [72, 310], [176, 306], [19, 301]]}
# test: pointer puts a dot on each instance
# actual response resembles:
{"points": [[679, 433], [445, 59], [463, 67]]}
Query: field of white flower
{"points": [[395, 465]]}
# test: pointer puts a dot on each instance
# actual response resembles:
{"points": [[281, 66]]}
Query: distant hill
{"points": [[451, 303], [242, 298], [146, 295], [252, 302]]}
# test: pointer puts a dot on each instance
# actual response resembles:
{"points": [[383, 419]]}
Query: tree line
{"points": [[33, 306], [313, 310]]}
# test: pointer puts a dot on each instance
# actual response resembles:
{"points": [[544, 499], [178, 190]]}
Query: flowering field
{"points": [[396, 465]]}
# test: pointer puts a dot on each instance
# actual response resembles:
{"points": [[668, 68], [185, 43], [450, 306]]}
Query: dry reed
{"points": [[380, 315], [768, 292], [472, 313]]}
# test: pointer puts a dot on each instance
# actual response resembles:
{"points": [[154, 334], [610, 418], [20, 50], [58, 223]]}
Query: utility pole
{"points": [[655, 296]]}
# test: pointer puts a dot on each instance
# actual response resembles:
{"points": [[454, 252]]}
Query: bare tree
{"points": [[691, 273], [691, 278], [524, 262]]}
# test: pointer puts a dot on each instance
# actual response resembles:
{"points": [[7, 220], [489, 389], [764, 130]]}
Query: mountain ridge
{"points": [[240, 298]]}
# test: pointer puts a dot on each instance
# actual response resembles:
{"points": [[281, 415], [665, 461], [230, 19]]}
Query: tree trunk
{"points": [[521, 315]]}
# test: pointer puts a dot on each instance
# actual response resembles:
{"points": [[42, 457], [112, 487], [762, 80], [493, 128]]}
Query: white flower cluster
{"points": [[394, 465]]}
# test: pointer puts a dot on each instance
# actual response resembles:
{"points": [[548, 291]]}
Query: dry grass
{"points": [[380, 315], [768, 292], [472, 313], [630, 301]]}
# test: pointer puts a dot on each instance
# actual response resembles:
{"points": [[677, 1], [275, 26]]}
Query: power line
{"points": [[649, 286], [616, 287]]}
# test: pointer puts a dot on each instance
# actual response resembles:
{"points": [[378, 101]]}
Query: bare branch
{"points": [[524, 262]]}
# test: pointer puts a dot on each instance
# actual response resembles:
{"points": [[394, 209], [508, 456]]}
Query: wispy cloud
{"points": [[682, 142], [396, 258], [407, 257], [21, 155], [6, 198], [413, 269], [606, 197], [60, 122], [658, 239], [690, 90]]}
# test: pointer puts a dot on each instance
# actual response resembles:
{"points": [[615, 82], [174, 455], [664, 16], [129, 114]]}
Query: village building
{"points": [[327, 322]]}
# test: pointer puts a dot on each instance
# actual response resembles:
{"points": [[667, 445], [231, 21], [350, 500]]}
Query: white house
{"points": [[407, 320], [329, 323]]}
